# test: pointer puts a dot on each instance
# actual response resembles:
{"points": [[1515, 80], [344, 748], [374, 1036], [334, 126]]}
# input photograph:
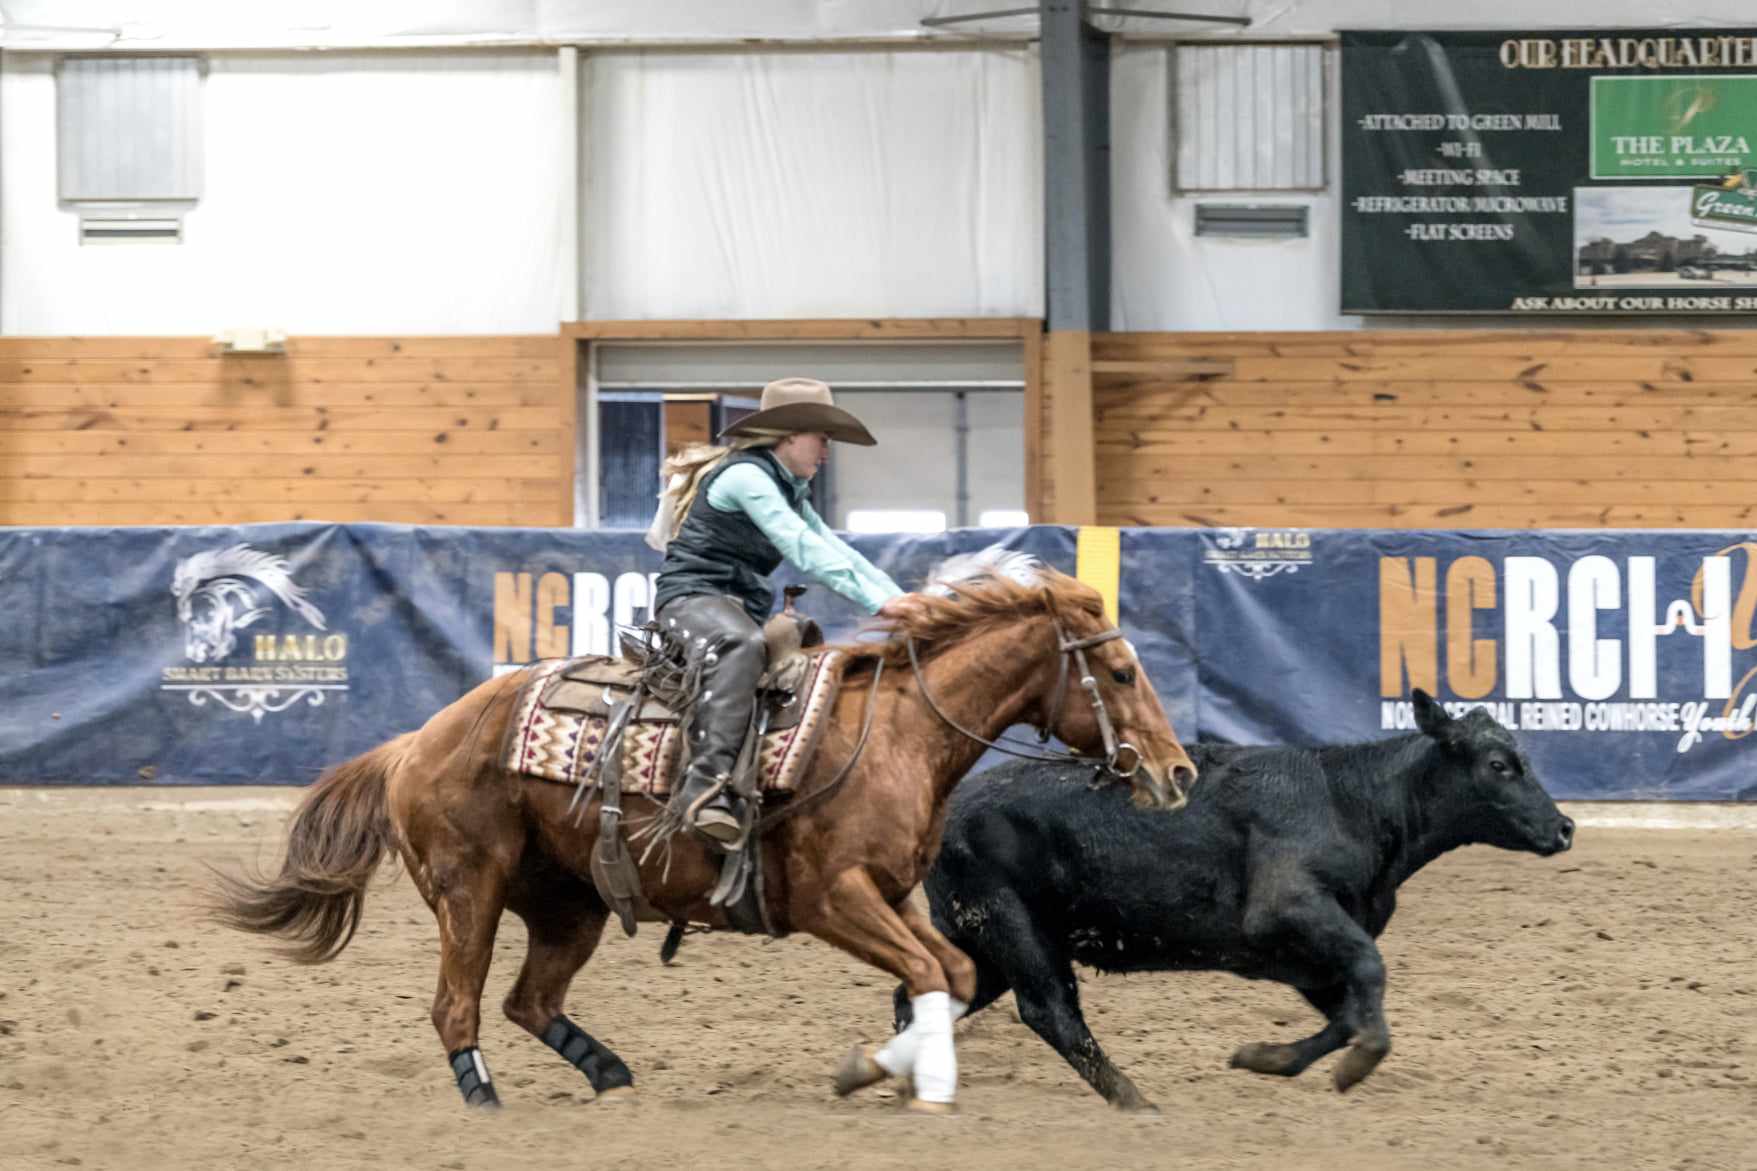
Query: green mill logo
{"points": [[1731, 203]]}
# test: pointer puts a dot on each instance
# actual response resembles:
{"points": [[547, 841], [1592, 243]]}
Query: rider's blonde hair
{"points": [[682, 476]]}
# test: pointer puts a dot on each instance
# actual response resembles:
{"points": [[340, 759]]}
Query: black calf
{"points": [[1284, 866]]}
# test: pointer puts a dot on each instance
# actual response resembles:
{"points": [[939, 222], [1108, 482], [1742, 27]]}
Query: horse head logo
{"points": [[218, 595]]}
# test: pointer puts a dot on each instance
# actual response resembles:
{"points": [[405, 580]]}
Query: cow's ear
{"points": [[1432, 719]]}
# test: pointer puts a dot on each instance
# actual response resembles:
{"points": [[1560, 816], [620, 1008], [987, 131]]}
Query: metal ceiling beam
{"points": [[1076, 162], [1087, 10], [1240, 21], [942, 21]]}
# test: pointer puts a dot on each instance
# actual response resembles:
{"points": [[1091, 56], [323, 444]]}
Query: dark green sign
{"points": [[1672, 127], [1549, 172]]}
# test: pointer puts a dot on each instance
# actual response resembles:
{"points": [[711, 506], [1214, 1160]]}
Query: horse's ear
{"points": [[1049, 606]]}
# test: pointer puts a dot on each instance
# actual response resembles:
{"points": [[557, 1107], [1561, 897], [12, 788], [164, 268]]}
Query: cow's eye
{"points": [[1498, 765], [1124, 676]]}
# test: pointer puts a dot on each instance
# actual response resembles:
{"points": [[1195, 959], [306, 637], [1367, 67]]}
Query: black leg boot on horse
{"points": [[729, 648]]}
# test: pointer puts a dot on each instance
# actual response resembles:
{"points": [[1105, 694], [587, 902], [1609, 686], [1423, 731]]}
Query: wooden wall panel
{"points": [[1039, 488], [1428, 428], [1067, 457], [438, 430]]}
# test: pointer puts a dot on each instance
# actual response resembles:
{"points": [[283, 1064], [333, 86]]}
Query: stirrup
{"points": [[696, 808]]}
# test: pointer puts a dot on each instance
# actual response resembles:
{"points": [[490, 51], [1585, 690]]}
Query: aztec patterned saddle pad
{"points": [[563, 711]]}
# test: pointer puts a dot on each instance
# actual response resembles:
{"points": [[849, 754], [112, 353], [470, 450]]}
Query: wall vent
{"points": [[160, 227], [1254, 221]]}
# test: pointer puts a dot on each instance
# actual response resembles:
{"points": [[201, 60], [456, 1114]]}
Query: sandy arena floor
{"points": [[1598, 1010]]}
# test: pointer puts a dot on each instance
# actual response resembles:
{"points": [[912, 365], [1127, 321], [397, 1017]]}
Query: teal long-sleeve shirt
{"points": [[802, 537]]}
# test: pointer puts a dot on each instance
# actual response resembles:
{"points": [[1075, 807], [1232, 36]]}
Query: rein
{"points": [[816, 795], [1074, 649]]}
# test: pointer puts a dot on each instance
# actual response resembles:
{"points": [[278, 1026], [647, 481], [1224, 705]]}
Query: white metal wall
{"points": [[344, 193], [166, 25], [1162, 275], [429, 191], [829, 184]]}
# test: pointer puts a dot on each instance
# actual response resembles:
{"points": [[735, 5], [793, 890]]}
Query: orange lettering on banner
{"points": [[1745, 609], [552, 591], [1733, 703], [512, 617], [1407, 639], [1470, 662]]}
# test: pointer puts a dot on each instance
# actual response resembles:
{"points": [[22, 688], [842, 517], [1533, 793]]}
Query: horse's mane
{"points": [[969, 595]]}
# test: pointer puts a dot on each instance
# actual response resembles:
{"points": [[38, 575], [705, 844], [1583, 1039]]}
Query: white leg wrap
{"points": [[936, 1059], [897, 1058]]}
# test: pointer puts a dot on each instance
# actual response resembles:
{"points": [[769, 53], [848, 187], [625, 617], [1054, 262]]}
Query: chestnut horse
{"points": [[478, 840]]}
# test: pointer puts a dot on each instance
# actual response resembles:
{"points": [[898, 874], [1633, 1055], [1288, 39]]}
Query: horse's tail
{"points": [[338, 838]]}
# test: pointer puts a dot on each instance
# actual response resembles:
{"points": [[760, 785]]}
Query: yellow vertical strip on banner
{"points": [[1098, 561]]}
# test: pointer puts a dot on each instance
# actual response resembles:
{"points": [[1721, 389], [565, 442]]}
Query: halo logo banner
{"points": [[254, 641]]}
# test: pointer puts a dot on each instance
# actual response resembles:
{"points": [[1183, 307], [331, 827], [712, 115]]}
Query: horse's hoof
{"points": [[617, 1096], [858, 1070], [1137, 1106], [942, 1109]]}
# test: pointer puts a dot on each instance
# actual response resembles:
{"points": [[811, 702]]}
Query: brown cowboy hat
{"points": [[802, 404]]}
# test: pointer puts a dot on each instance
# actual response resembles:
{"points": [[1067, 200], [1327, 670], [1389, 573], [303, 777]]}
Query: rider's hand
{"points": [[899, 608]]}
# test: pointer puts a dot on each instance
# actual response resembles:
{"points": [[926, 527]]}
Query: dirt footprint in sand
{"points": [[401, 1068]]}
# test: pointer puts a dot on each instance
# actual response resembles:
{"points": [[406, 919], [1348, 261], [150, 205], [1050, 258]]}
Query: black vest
{"points": [[718, 552]]}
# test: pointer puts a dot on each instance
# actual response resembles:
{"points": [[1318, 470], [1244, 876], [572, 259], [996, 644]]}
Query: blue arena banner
{"points": [[263, 653], [1626, 661]]}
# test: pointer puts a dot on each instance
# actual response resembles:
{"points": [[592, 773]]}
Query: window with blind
{"points": [[1248, 117], [129, 144]]}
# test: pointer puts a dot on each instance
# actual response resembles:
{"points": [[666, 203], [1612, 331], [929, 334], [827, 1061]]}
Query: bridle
{"points": [[1074, 649], [1069, 649]]}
